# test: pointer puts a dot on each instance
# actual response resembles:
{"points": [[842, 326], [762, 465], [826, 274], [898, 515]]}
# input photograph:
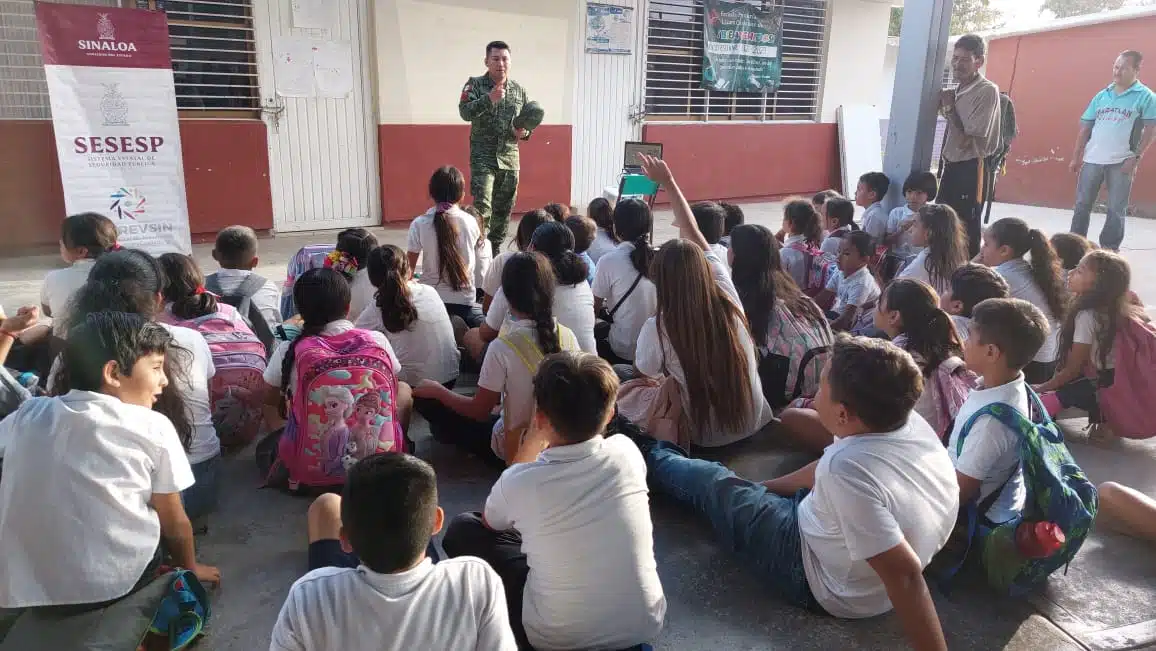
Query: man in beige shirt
{"points": [[972, 111]]}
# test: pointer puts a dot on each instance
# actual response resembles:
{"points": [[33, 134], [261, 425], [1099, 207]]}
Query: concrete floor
{"points": [[1107, 599]]}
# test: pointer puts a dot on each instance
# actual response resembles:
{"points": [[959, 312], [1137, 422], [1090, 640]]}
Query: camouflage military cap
{"points": [[531, 116]]}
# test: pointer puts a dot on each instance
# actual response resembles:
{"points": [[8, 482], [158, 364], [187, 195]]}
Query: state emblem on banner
{"points": [[113, 106], [128, 203], [105, 29]]}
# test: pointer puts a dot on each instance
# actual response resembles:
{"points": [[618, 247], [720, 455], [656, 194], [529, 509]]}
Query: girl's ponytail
{"points": [[388, 272], [1047, 274], [632, 222], [931, 337], [528, 283], [555, 240], [185, 287], [446, 188]]}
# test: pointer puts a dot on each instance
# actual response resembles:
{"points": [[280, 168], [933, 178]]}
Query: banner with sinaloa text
{"points": [[742, 48], [114, 114]]}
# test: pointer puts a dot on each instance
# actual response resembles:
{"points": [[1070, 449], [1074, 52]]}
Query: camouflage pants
{"points": [[494, 194]]}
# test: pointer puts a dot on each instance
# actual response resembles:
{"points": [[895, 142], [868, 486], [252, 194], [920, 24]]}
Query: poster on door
{"points": [[114, 114], [742, 48]]}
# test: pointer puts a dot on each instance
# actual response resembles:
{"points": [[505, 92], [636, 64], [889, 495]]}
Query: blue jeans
{"points": [[759, 526], [1093, 176], [200, 499]]}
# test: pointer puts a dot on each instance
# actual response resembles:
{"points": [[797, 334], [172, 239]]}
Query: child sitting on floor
{"points": [[840, 220], [373, 582], [711, 219], [351, 257], [236, 252], [84, 529], [1071, 248], [849, 534], [1102, 304], [942, 242], [558, 211], [605, 240], [803, 236], [83, 239], [528, 284], [869, 194], [584, 230], [734, 219], [971, 284], [1038, 281], [1005, 335], [526, 227], [568, 527], [918, 190], [853, 288]]}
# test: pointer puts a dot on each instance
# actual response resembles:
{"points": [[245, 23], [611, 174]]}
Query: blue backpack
{"points": [[183, 612], [1057, 491]]}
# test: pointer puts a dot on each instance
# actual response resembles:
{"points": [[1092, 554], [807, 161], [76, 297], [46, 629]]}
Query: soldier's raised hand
{"points": [[498, 93]]}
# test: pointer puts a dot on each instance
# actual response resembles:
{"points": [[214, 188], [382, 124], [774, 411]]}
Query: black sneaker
{"points": [[620, 425]]}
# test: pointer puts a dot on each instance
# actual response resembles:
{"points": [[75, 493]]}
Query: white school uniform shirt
{"points": [[59, 287], [584, 514], [916, 269], [573, 307], [77, 528], [872, 492], [504, 371], [794, 261], [601, 245], [858, 289], [1018, 274], [990, 450], [483, 258], [199, 372], [423, 239], [654, 346], [333, 328], [875, 222], [1085, 333], [830, 245], [895, 220], [493, 280], [267, 299], [457, 603], [613, 276], [720, 250], [427, 350], [361, 293], [962, 327]]}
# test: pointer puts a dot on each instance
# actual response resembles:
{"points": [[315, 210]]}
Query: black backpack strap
{"points": [[242, 299], [626, 295], [808, 357]]}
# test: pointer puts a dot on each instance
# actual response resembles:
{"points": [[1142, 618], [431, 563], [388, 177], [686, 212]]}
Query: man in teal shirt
{"points": [[1117, 129]]}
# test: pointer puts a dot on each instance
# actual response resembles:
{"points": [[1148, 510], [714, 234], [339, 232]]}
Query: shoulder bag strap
{"points": [[626, 295]]}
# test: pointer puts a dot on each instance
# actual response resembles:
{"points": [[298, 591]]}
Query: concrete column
{"points": [[918, 81]]}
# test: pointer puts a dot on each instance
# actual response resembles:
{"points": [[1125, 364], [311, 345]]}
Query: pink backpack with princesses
{"points": [[342, 408]]}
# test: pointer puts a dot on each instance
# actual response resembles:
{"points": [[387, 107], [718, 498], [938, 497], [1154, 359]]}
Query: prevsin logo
{"points": [[106, 33]]}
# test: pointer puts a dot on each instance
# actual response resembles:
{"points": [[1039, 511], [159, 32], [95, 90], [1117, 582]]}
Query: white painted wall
{"points": [[856, 49], [426, 49]]}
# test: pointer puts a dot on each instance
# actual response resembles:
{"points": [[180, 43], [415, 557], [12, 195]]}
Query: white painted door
{"points": [[607, 107], [323, 166]]}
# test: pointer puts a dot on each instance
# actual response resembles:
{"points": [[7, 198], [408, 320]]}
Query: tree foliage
{"points": [[1068, 8], [968, 16]]}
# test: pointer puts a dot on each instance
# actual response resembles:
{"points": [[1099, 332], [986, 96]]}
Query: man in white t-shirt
{"points": [[568, 525], [1005, 335], [851, 533], [372, 582]]}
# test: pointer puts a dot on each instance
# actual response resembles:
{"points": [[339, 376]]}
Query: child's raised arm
{"points": [[684, 220]]}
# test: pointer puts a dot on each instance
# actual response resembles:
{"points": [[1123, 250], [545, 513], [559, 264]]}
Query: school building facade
{"points": [[295, 164]]}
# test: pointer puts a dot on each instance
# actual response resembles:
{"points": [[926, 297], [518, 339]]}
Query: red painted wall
{"points": [[1052, 76], [411, 152], [226, 179], [749, 161]]}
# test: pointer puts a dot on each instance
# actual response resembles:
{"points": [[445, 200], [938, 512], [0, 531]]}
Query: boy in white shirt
{"points": [[1006, 333], [971, 284], [83, 529], [372, 583], [83, 238], [919, 189], [236, 252], [853, 288], [568, 526], [849, 534], [869, 194], [711, 218]]}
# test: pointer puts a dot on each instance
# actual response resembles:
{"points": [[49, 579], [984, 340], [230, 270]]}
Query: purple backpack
{"points": [[1126, 402]]}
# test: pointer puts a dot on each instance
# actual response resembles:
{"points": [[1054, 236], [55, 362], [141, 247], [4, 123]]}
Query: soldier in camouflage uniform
{"points": [[490, 103]]}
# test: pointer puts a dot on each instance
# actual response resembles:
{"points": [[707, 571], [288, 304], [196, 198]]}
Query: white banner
{"points": [[114, 114]]}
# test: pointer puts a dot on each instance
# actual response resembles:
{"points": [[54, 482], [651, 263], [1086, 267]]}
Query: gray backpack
{"points": [[242, 299]]}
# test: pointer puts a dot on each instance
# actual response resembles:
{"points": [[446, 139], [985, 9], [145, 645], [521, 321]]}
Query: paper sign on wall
{"points": [[114, 116], [313, 14], [609, 28], [305, 67]]}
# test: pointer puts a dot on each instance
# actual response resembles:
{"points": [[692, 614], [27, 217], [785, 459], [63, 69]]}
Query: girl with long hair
{"points": [[1038, 281], [573, 301], [84, 237], [605, 238], [350, 258], [942, 240], [446, 239], [1102, 304], [132, 281], [782, 318], [522, 236], [623, 292], [698, 334], [507, 373], [414, 319], [803, 235]]}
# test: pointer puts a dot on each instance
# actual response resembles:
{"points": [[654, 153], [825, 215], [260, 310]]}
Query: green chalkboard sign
{"points": [[742, 49]]}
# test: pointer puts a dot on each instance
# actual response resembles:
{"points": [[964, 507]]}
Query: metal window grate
{"points": [[213, 51], [674, 51]]}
